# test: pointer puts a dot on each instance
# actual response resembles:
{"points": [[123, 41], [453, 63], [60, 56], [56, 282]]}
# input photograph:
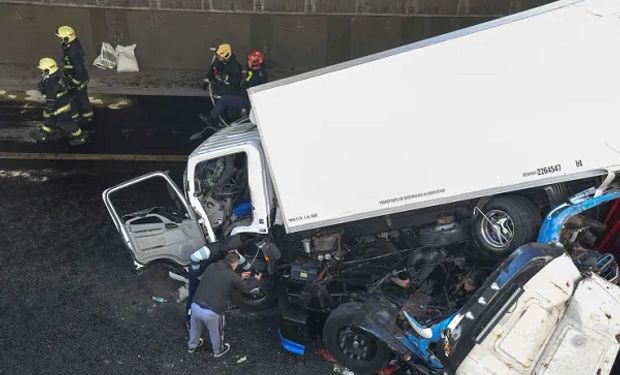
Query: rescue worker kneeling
{"points": [[58, 112], [75, 70], [209, 304]]}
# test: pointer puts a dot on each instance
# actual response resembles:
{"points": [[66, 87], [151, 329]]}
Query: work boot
{"points": [[42, 134], [77, 141], [88, 117], [77, 138]]}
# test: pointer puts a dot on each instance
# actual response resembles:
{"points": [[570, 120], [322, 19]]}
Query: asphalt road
{"points": [[70, 301], [126, 125]]}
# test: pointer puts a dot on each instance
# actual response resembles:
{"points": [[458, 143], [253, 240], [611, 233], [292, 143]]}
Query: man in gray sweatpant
{"points": [[209, 304]]}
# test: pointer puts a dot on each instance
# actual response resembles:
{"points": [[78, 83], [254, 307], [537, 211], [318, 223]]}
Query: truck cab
{"points": [[228, 185], [227, 191]]}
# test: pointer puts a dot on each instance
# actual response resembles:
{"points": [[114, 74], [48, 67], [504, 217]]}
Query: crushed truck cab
{"points": [[546, 318]]}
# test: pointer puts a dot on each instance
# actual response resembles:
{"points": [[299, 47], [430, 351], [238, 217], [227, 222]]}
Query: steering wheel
{"points": [[226, 190]]}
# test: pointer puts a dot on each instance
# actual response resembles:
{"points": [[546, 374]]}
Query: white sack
{"points": [[126, 59]]}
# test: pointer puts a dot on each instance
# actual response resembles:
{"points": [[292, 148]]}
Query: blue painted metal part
{"points": [[291, 346], [421, 346], [551, 228]]}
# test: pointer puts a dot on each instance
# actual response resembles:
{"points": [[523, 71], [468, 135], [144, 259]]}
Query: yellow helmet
{"points": [[224, 51], [66, 33], [47, 65]]}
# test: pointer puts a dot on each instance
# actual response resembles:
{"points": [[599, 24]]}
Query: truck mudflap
{"points": [[292, 331], [586, 340]]}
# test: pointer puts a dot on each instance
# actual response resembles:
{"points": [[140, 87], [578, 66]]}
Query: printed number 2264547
{"points": [[550, 169]]}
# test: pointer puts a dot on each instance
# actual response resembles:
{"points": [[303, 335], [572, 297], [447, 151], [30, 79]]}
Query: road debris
{"points": [[339, 369]]}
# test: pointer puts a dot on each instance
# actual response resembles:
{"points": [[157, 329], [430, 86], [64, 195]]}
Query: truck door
{"points": [[154, 219]]}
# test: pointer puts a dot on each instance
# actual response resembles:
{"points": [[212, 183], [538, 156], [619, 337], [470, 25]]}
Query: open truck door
{"points": [[153, 230]]}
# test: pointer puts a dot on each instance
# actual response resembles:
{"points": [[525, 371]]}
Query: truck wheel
{"points": [[353, 348], [508, 222], [265, 298]]}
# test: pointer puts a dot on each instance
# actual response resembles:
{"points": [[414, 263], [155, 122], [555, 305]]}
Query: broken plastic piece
{"points": [[159, 299], [339, 369], [326, 355]]}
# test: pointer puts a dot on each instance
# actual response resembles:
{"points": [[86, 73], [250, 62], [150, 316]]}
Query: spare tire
{"points": [[506, 222], [352, 347]]}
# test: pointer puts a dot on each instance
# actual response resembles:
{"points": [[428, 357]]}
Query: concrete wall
{"points": [[180, 39], [494, 8]]}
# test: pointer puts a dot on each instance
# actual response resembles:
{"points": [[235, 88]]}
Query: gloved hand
{"points": [[205, 84]]}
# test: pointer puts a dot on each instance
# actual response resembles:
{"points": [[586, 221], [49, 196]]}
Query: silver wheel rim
{"points": [[497, 229]]}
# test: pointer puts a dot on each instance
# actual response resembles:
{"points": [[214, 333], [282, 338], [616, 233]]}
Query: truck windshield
{"points": [[209, 172], [223, 191]]}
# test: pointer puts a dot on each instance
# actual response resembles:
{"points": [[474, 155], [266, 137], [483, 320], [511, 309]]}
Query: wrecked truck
{"points": [[551, 307], [337, 182]]}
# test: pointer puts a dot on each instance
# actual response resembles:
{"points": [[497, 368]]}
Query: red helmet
{"points": [[255, 59]]}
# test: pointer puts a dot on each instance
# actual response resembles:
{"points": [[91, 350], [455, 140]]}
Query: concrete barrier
{"points": [[295, 38]]}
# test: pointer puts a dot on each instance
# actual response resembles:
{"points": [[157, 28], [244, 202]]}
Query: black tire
{"points": [[267, 298], [339, 337], [522, 218]]}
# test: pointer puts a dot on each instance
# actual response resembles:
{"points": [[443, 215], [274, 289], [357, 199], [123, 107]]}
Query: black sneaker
{"points": [[199, 345], [224, 351]]}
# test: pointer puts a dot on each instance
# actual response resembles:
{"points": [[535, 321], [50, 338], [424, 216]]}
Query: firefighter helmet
{"points": [[47, 65], [255, 59], [66, 33], [224, 51]]}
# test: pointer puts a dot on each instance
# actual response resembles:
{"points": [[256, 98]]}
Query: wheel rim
{"points": [[356, 345], [497, 229], [254, 299]]}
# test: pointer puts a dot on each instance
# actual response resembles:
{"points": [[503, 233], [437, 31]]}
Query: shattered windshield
{"points": [[209, 172]]}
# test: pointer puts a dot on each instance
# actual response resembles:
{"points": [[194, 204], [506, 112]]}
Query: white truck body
{"points": [[523, 101]]}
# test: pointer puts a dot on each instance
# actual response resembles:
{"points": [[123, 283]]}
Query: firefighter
{"points": [[256, 74], [75, 70], [59, 112], [225, 73], [257, 71]]}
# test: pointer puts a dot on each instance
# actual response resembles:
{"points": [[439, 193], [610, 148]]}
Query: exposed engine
{"points": [[578, 237], [324, 247]]}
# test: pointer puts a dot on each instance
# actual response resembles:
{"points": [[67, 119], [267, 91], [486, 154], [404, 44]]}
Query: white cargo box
{"points": [[521, 101]]}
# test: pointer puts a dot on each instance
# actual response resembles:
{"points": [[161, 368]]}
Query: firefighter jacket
{"points": [[225, 76], [73, 60], [57, 100], [255, 77]]}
